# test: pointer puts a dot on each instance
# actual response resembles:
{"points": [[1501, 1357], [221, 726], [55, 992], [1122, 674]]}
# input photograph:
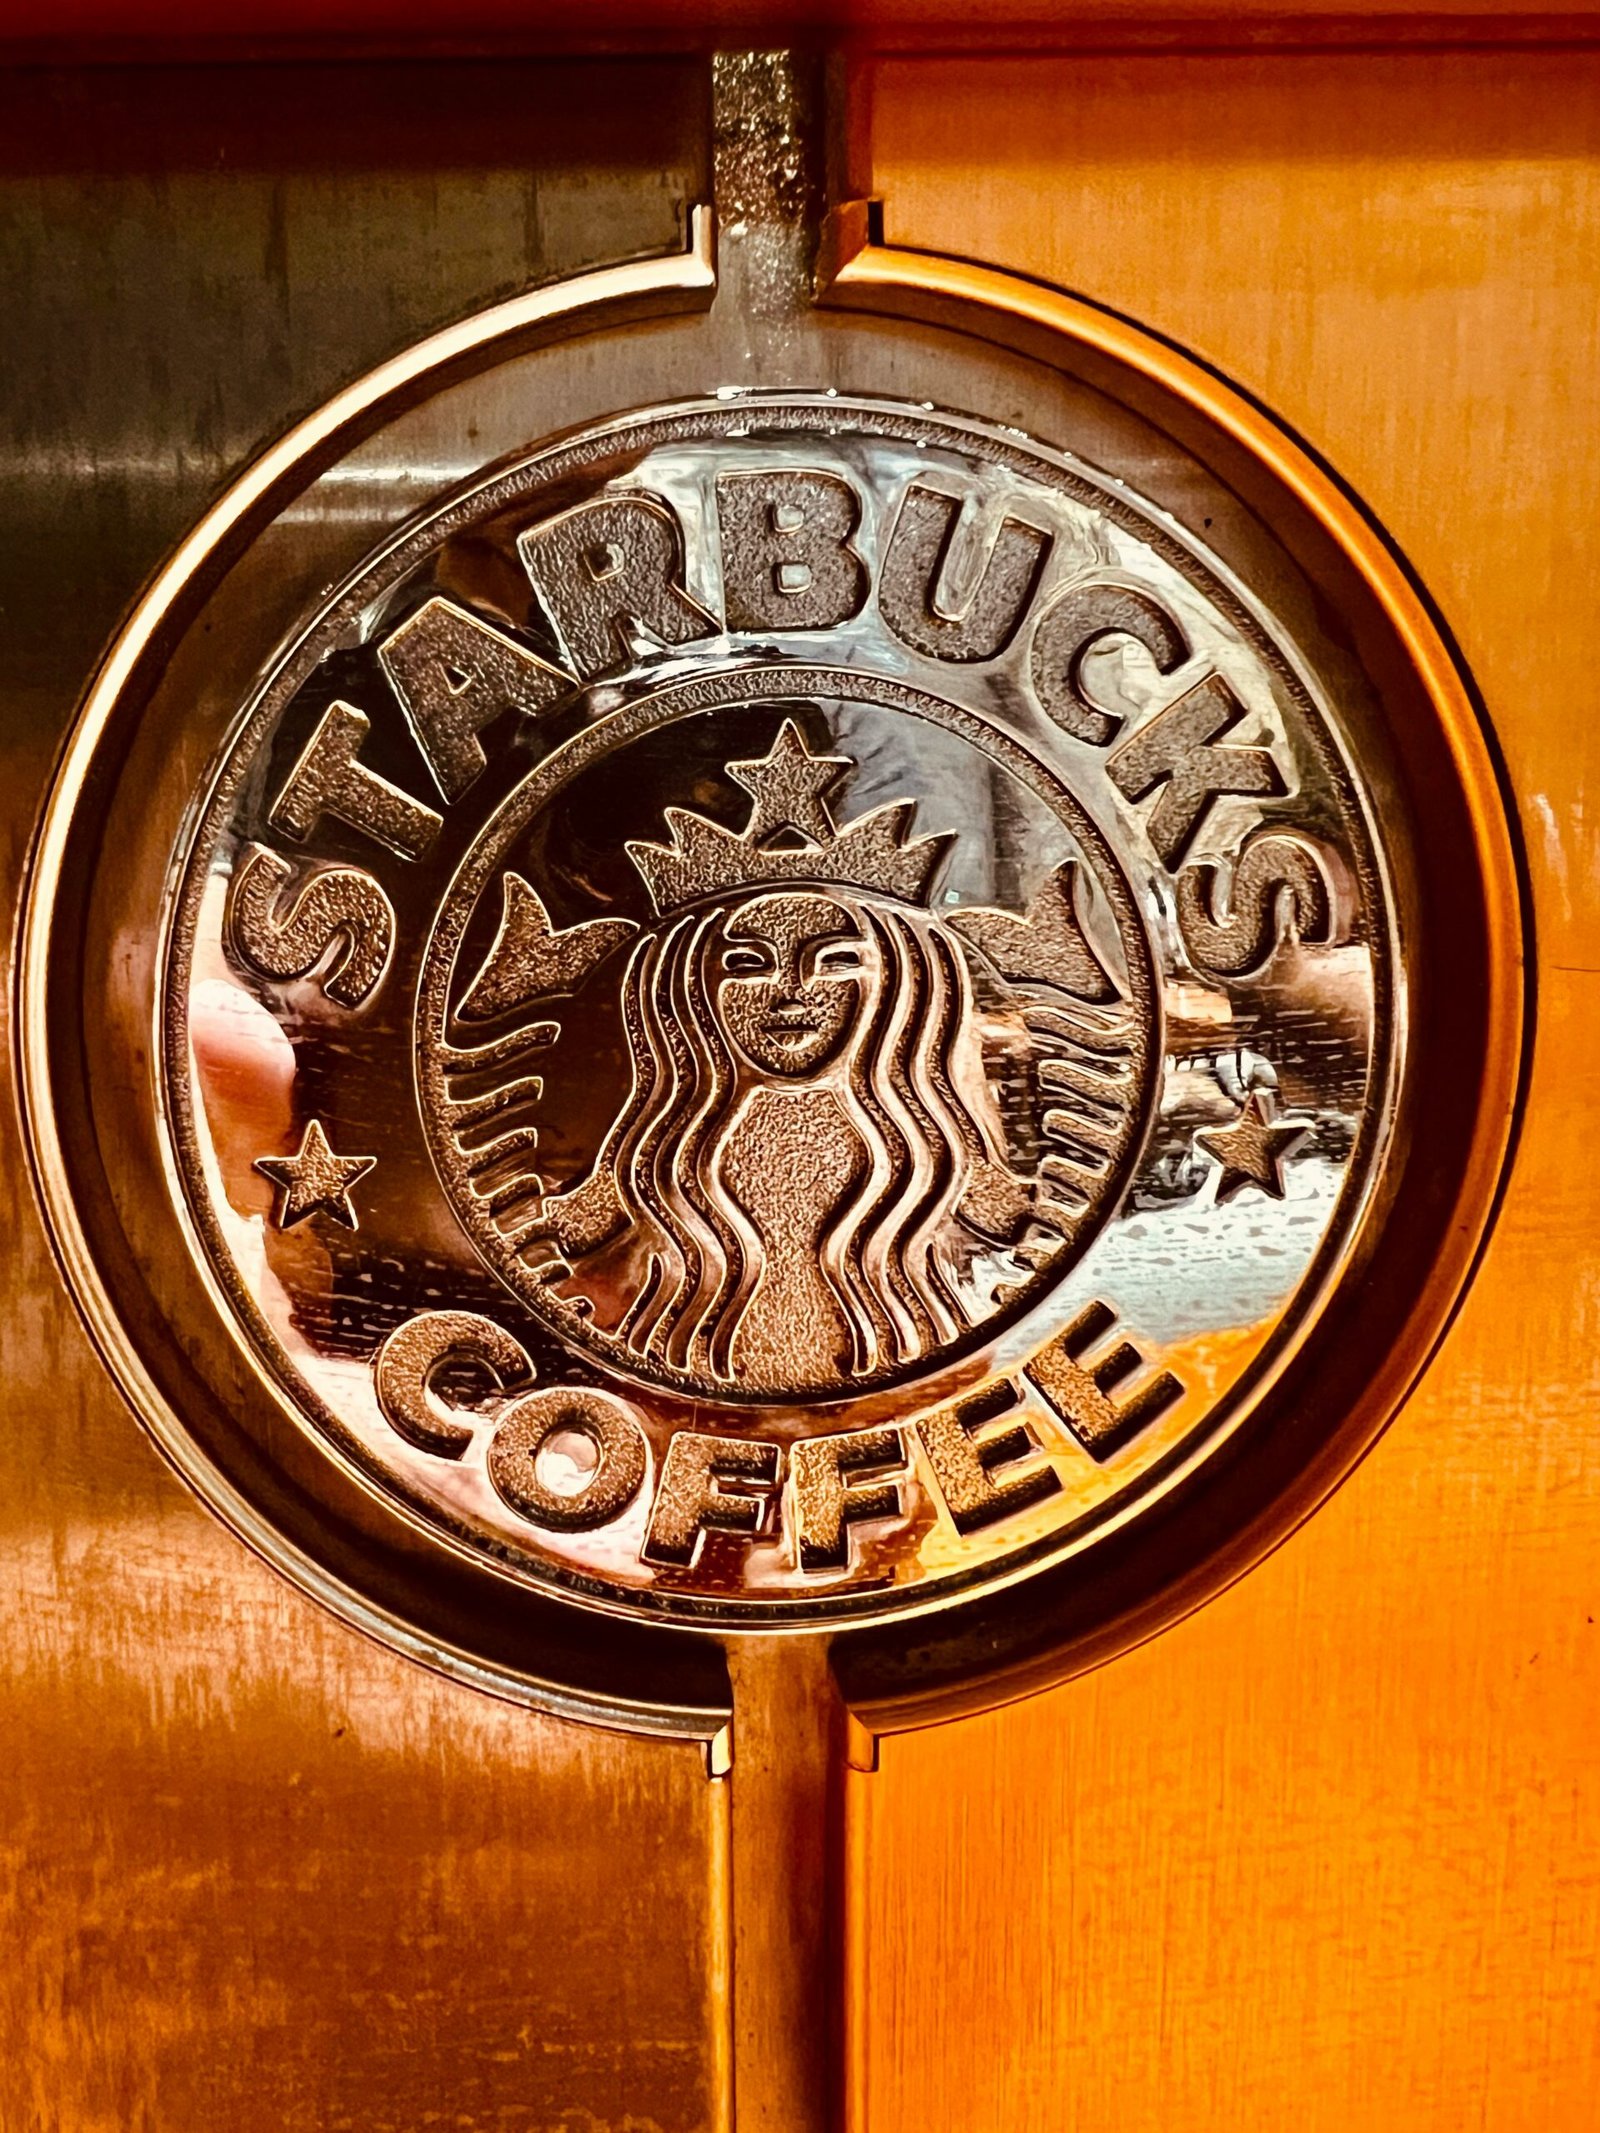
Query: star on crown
{"points": [[788, 788]]}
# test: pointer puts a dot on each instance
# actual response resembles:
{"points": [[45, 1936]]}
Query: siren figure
{"points": [[810, 1158]]}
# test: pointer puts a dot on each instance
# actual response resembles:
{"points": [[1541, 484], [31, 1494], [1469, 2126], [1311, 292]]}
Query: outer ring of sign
{"points": [[976, 300]]}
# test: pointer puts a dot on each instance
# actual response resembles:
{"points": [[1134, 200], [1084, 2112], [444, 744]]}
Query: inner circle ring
{"points": [[764, 683]]}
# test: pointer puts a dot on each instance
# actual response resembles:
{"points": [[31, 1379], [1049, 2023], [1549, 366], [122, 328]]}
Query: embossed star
{"points": [[314, 1177], [1252, 1150], [787, 787]]}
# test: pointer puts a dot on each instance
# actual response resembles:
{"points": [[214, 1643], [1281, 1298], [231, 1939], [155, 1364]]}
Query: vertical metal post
{"points": [[779, 161], [787, 159]]}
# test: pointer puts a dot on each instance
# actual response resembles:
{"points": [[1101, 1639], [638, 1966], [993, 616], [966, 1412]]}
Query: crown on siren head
{"points": [[787, 787]]}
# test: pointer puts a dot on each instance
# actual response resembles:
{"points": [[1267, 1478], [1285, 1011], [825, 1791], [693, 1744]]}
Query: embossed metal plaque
{"points": [[782, 1006], [791, 938]]}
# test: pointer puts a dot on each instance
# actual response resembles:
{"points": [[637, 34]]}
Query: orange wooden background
{"points": [[1325, 1858]]}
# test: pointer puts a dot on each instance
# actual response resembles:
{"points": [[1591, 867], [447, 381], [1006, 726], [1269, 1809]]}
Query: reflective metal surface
{"points": [[868, 937]]}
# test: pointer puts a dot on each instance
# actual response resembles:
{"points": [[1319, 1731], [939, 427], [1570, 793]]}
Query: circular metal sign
{"points": [[816, 963], [785, 1007]]}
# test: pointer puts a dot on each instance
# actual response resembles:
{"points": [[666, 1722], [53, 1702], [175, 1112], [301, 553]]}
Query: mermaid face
{"points": [[800, 1232], [794, 972]]}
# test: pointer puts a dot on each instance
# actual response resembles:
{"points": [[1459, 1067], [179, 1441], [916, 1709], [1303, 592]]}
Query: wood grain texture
{"points": [[257, 1875], [786, 1866], [1328, 1854]]}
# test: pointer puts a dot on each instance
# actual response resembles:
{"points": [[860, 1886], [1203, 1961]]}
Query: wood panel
{"points": [[257, 1875], [1327, 1855]]}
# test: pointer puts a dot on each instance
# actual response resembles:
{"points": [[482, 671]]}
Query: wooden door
{"points": [[1323, 1855], [261, 1873]]}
